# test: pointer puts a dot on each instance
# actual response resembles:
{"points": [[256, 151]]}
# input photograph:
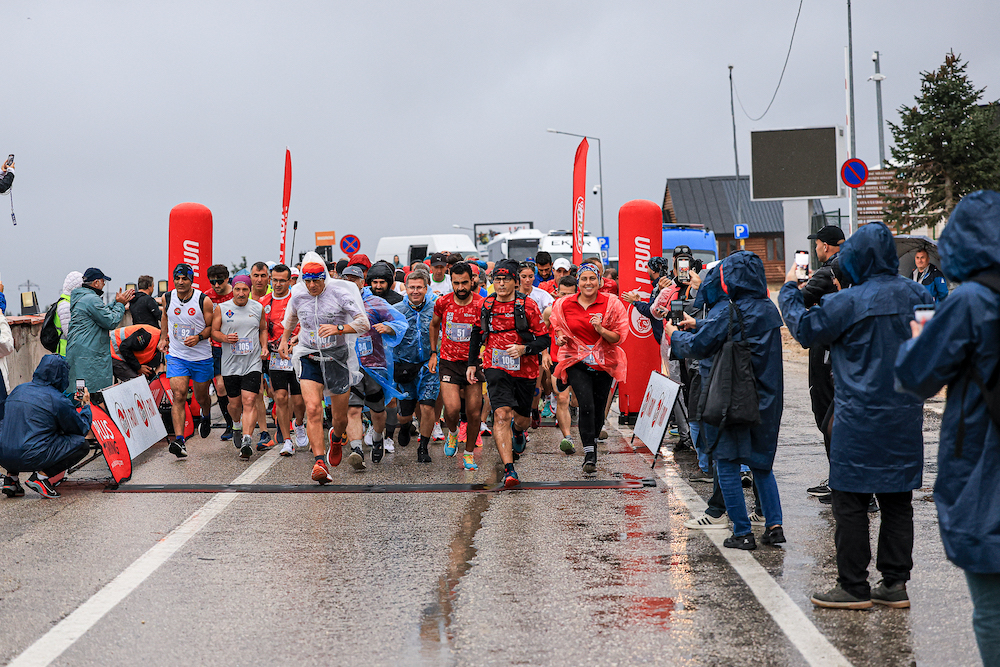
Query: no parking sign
{"points": [[350, 244]]}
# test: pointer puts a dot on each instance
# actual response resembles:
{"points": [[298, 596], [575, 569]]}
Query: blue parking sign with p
{"points": [[741, 231]]}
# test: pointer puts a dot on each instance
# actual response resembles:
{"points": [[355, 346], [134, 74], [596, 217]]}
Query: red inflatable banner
{"points": [[190, 241], [579, 199], [640, 236], [112, 444]]}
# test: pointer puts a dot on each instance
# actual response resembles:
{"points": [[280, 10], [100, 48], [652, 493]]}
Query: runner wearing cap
{"points": [[459, 312], [440, 280], [560, 269], [294, 278], [288, 401], [331, 315], [240, 327], [376, 385], [512, 336], [187, 318], [221, 292], [590, 326]]}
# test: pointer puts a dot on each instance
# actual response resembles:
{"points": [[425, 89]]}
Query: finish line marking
{"points": [[65, 633], [812, 644], [374, 488]]}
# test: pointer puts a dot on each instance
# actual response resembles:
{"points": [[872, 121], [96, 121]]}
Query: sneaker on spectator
{"points": [[820, 489], [707, 522], [746, 479], [756, 519], [12, 486], [702, 477], [891, 596], [838, 598], [825, 499], [41, 486], [745, 542]]}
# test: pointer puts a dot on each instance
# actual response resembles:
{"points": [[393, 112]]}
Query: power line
{"points": [[783, 67]]}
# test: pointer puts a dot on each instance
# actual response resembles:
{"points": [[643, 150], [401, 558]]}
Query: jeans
{"points": [[985, 590], [895, 539], [732, 492], [591, 388], [703, 461]]}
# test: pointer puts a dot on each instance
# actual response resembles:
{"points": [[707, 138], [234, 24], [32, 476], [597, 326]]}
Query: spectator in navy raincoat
{"points": [[876, 445], [962, 335], [42, 430], [741, 276]]}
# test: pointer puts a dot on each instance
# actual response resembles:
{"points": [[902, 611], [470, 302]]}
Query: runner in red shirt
{"points": [[287, 392], [459, 313], [222, 291], [509, 360]]}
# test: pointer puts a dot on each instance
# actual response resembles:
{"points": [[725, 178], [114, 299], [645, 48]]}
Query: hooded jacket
{"points": [[415, 348], [374, 349], [42, 426], [741, 278], [88, 347], [876, 444], [965, 331], [6, 348], [63, 316]]}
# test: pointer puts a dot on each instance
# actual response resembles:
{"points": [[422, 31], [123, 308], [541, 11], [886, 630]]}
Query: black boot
{"points": [[422, 455]]}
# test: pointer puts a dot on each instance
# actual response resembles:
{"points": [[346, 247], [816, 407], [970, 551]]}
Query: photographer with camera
{"points": [[7, 174]]}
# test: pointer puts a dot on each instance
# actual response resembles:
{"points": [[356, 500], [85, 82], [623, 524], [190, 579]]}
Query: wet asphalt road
{"points": [[567, 577]]}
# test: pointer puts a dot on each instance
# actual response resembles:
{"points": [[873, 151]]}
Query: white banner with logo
{"points": [[131, 407], [654, 415]]}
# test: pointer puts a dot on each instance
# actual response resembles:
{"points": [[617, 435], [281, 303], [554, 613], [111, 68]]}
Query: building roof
{"points": [[711, 201]]}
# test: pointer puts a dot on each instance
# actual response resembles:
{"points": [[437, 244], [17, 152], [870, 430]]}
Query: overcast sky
{"points": [[408, 117]]}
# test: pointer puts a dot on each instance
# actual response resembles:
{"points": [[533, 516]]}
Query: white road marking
{"points": [[812, 644], [54, 642]]}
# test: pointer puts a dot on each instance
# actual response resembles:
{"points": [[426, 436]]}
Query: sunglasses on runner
{"points": [[218, 281]]}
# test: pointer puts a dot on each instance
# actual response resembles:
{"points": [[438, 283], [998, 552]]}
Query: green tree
{"points": [[239, 267], [946, 146]]}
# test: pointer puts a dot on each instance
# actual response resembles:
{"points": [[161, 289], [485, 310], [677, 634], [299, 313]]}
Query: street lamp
{"points": [[600, 171], [467, 228], [878, 78]]}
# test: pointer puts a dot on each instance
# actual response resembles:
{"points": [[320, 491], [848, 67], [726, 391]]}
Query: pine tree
{"points": [[946, 146]]}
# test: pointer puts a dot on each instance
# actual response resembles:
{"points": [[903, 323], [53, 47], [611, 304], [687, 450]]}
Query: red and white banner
{"points": [[190, 241], [640, 236], [579, 199], [134, 411], [286, 197], [657, 405], [112, 445]]}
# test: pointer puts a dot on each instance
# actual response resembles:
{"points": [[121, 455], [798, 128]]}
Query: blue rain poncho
{"points": [[374, 349]]}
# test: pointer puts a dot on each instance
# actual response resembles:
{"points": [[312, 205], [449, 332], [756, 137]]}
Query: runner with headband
{"points": [[331, 314], [590, 327], [564, 419]]}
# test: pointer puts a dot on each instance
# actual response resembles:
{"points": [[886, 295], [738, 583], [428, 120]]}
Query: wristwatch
{"points": [[340, 328]]}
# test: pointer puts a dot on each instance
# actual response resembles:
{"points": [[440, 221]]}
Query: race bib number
{"points": [[316, 342], [182, 331], [503, 360], [279, 364], [365, 346], [242, 347], [460, 333], [590, 359]]}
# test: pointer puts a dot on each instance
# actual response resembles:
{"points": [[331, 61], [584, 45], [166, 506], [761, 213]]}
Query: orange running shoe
{"points": [[321, 473], [336, 452]]}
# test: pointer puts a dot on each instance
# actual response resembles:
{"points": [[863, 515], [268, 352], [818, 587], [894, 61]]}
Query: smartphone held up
{"points": [[802, 265]]}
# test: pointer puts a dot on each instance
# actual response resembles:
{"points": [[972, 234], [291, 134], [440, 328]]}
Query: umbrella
{"points": [[907, 246]]}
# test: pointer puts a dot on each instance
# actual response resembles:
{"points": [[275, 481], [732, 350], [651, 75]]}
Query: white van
{"points": [[415, 248], [518, 245], [559, 243]]}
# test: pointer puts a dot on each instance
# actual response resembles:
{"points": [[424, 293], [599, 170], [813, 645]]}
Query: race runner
{"points": [[526, 279], [287, 392], [187, 316], [240, 327], [260, 279], [221, 292], [564, 420], [374, 351], [412, 371], [459, 311], [331, 314], [513, 335], [590, 326]]}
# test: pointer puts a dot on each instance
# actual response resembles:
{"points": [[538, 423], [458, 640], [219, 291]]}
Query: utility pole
{"points": [[736, 157], [850, 112], [878, 78]]}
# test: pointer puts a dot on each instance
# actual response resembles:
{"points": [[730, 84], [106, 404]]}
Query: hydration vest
{"points": [[521, 324]]}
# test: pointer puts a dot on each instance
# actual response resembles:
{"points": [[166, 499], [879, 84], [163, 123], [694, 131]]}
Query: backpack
{"points": [[989, 389], [732, 398], [521, 324], [50, 334]]}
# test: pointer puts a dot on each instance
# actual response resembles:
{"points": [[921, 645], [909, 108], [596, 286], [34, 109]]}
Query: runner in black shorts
{"points": [[288, 401], [512, 335]]}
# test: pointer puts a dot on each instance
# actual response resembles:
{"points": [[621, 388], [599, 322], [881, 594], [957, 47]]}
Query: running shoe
{"points": [[389, 445], [301, 438], [776, 535], [205, 429], [12, 487], [404, 436], [178, 449], [510, 479], [336, 452], [237, 436], [357, 458], [746, 479], [820, 489], [463, 431], [744, 542], [246, 449], [469, 462], [567, 447], [479, 439], [673, 431], [536, 419], [321, 473], [452, 446], [546, 410], [590, 462], [227, 435], [423, 456], [41, 486], [484, 429], [378, 450], [437, 433], [519, 442], [266, 442], [369, 435], [288, 449]]}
